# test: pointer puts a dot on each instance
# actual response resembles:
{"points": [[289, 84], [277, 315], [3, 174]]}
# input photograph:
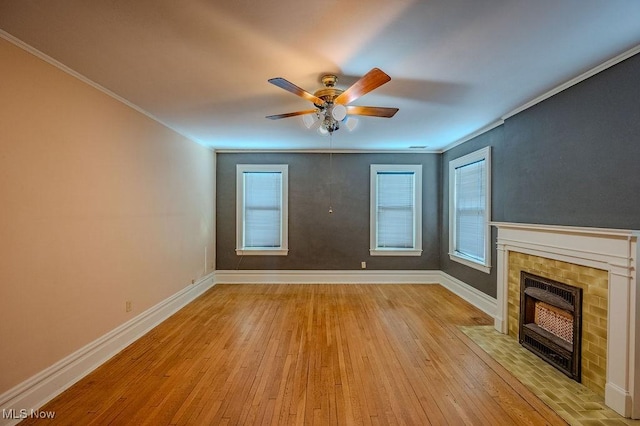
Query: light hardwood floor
{"points": [[307, 354]]}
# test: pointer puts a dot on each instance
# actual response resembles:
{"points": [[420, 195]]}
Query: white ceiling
{"points": [[202, 66]]}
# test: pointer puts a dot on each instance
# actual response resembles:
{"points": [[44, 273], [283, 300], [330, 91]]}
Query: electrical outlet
{"points": [[363, 265], [127, 306]]}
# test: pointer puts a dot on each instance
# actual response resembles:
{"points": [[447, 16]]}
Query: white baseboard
{"points": [[480, 300], [46, 385], [618, 399], [327, 277], [485, 303]]}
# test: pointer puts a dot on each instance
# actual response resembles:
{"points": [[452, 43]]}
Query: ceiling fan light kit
{"points": [[310, 120], [338, 112], [330, 103]]}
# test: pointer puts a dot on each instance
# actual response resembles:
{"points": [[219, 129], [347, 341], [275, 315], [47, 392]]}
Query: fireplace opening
{"points": [[551, 321]]}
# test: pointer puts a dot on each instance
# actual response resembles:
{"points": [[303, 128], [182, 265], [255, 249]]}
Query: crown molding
{"points": [[62, 67], [475, 134], [608, 64], [611, 62], [324, 151], [593, 71]]}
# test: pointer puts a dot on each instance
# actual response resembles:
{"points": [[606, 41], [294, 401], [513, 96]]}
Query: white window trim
{"points": [[417, 225], [283, 250], [482, 154]]}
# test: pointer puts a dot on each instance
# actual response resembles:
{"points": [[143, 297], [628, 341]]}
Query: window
{"points": [[469, 209], [261, 209], [396, 210]]}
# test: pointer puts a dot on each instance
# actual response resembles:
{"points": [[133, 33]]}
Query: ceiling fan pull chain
{"points": [[330, 170]]}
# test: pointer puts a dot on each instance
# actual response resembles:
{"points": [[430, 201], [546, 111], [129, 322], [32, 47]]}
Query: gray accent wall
{"points": [[480, 280], [319, 240], [572, 159]]}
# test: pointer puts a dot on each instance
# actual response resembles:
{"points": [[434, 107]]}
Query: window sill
{"points": [[262, 252], [395, 252], [470, 263]]}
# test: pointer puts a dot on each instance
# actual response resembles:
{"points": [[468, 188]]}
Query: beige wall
{"points": [[98, 205]]}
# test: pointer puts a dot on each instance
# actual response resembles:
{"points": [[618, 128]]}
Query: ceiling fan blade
{"points": [[290, 114], [371, 111], [290, 87], [371, 80]]}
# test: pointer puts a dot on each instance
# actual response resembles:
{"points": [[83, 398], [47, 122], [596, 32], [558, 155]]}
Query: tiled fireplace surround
{"points": [[594, 285], [604, 264]]}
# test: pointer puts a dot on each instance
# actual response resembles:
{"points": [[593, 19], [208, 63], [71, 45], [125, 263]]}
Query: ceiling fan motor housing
{"points": [[329, 92]]}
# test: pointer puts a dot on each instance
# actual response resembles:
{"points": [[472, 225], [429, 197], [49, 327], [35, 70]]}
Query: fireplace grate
{"points": [[544, 350], [550, 322]]}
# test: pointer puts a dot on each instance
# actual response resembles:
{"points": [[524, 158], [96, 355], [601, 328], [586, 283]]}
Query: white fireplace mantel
{"points": [[612, 250]]}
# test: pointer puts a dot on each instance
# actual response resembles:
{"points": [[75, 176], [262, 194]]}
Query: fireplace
{"points": [[605, 264], [551, 321]]}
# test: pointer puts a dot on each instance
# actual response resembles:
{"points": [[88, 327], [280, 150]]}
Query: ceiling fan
{"points": [[331, 103]]}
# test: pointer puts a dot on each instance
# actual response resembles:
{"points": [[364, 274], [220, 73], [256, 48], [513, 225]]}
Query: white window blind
{"points": [[262, 209], [470, 213], [395, 209], [470, 209], [262, 206]]}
